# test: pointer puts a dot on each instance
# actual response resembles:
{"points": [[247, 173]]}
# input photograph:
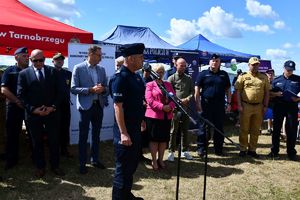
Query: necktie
{"points": [[41, 76]]}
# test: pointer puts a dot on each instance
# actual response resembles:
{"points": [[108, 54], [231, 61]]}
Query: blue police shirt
{"points": [[281, 83], [10, 78], [213, 84], [128, 88]]}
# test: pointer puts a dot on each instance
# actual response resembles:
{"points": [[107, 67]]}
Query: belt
{"points": [[251, 103]]}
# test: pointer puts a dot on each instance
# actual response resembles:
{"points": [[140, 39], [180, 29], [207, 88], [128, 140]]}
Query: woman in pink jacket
{"points": [[159, 113]]}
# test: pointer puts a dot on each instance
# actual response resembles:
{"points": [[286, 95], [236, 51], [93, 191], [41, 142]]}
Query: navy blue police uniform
{"points": [[127, 88], [213, 87], [285, 107], [14, 114]]}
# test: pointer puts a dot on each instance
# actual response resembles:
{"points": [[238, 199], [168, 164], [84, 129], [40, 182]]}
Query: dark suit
{"points": [[34, 94], [64, 110]]}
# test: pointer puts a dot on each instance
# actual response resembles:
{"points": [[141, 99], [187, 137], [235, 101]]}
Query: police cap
{"points": [[214, 56], [21, 50], [132, 49], [239, 71], [57, 56], [290, 65]]}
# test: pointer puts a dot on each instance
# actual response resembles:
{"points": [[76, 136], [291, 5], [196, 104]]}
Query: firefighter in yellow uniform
{"points": [[253, 96]]}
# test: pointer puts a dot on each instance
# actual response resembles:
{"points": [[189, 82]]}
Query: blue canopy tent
{"points": [[206, 48], [156, 48]]}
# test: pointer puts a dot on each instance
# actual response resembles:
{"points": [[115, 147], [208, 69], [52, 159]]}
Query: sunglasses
{"points": [[38, 60]]}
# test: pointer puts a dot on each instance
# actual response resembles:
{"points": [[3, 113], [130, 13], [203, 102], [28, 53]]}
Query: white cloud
{"points": [[288, 45], [277, 54], [257, 9], [279, 24], [215, 22], [62, 10], [257, 28], [181, 30], [219, 23]]}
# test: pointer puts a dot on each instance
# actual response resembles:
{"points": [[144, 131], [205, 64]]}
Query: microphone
{"points": [[171, 95], [174, 97], [147, 67]]}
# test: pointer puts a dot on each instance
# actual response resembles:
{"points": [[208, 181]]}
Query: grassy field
{"points": [[228, 178]]}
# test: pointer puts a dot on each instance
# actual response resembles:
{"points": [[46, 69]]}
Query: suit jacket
{"points": [[154, 98], [81, 82], [33, 93]]}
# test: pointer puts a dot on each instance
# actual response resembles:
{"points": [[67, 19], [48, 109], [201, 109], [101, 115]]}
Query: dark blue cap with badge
{"points": [[290, 65], [21, 50], [214, 56], [132, 49]]}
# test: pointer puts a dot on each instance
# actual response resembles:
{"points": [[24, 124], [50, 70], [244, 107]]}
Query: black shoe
{"points": [[132, 197], [242, 153], [273, 155], [58, 172], [253, 154], [293, 157], [144, 159], [98, 165], [83, 170]]}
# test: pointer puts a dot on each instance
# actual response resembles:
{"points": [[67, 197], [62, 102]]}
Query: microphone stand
{"points": [[182, 111]]}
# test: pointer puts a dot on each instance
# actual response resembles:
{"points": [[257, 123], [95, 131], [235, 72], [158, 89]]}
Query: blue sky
{"points": [[268, 28]]}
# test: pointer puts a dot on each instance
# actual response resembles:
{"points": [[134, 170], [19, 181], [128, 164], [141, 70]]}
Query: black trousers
{"points": [[126, 159], [38, 127], [290, 111], [214, 111], [64, 113], [14, 121]]}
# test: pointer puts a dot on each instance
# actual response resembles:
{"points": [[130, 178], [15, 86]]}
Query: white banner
{"points": [[77, 54]]}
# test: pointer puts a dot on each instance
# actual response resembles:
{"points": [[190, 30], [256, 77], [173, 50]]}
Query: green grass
{"points": [[228, 177]]}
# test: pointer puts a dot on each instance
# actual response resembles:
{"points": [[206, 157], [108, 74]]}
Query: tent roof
{"points": [[207, 48], [21, 26], [131, 34]]}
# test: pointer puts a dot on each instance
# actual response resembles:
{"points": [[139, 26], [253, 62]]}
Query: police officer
{"points": [[214, 84], [128, 92], [285, 105], [252, 97], [63, 110], [15, 111]]}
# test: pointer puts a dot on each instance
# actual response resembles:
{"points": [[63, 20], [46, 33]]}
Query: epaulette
{"points": [[243, 73]]}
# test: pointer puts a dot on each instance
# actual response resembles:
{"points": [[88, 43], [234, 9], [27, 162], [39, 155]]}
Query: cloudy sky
{"points": [[268, 28]]}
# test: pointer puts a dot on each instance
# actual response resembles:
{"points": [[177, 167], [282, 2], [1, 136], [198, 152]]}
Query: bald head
{"points": [[36, 52], [180, 65], [37, 58]]}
